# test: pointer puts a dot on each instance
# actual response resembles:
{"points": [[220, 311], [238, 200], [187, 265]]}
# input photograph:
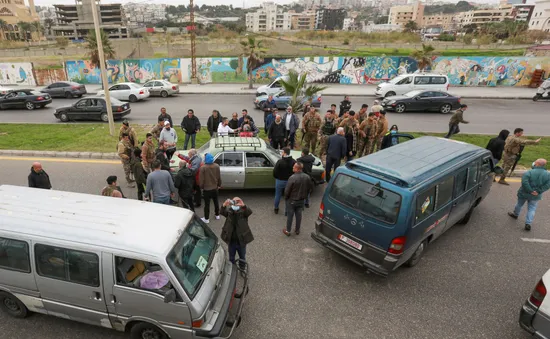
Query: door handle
{"points": [[97, 296], [113, 299]]}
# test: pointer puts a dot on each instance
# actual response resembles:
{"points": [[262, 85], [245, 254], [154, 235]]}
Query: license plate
{"points": [[350, 242]]}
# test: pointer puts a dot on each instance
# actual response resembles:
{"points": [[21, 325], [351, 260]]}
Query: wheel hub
{"points": [[11, 305], [150, 334]]}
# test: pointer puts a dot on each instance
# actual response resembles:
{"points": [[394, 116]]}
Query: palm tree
{"points": [[296, 86], [3, 24], [93, 51], [24, 28], [423, 57], [48, 23], [411, 26], [37, 27], [253, 50]]}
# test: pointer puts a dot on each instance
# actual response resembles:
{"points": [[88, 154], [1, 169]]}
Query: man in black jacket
{"points": [[139, 173], [270, 105], [191, 126], [496, 145], [337, 149], [345, 105], [38, 178], [298, 188], [184, 182], [307, 161], [213, 123], [234, 121], [281, 172], [277, 133], [165, 117], [160, 154]]}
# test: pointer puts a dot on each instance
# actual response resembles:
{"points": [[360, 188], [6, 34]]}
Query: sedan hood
{"points": [[63, 108]]}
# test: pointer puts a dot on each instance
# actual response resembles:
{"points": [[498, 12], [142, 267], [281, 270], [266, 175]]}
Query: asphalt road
{"points": [[470, 284], [486, 116]]}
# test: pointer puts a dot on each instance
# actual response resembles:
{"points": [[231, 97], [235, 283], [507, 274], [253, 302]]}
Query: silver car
{"points": [[535, 313], [161, 88], [65, 89]]}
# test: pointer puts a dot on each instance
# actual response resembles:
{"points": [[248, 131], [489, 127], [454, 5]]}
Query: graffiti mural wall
{"points": [[462, 71], [13, 73]]}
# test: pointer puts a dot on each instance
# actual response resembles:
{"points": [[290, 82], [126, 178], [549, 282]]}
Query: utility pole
{"points": [[95, 9], [193, 51]]}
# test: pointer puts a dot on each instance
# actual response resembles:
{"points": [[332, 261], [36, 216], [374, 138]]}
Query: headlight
{"points": [[391, 102], [256, 101]]}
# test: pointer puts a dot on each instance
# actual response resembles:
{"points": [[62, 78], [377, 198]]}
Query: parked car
{"points": [[422, 101], [65, 89], [282, 100], [25, 98], [127, 91], [84, 257], [383, 210], [92, 108], [246, 162], [409, 82], [535, 313], [161, 88], [273, 87]]}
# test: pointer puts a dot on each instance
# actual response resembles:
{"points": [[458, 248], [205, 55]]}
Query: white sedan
{"points": [[127, 91]]}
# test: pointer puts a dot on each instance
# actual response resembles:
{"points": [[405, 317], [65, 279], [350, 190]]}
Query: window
{"points": [[67, 265], [438, 80], [276, 84], [486, 166], [421, 80], [123, 87], [114, 88], [426, 95], [14, 255], [461, 180], [405, 81], [230, 160], [149, 84], [257, 160], [158, 84], [141, 275], [366, 198], [425, 204], [21, 94], [83, 103], [472, 176], [444, 192]]}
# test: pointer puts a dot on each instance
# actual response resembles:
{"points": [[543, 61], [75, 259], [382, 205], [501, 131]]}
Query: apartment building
{"points": [[75, 21], [329, 18], [139, 15], [269, 18], [522, 12], [482, 16], [540, 18], [445, 21], [400, 15], [302, 21]]}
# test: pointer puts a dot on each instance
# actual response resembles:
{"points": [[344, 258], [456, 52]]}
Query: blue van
{"points": [[381, 211]]}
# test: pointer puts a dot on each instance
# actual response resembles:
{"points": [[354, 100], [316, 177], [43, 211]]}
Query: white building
{"points": [[269, 18], [541, 16], [370, 27]]}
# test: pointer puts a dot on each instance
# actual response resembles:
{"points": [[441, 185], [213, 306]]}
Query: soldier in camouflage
{"points": [[511, 152], [112, 190], [157, 129], [311, 125], [132, 135], [381, 130], [367, 135], [351, 127], [148, 153], [328, 128], [125, 152], [363, 114]]}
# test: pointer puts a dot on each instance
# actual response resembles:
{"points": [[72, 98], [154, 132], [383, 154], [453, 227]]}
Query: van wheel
{"points": [[389, 94], [146, 331], [415, 259], [12, 306], [467, 217]]}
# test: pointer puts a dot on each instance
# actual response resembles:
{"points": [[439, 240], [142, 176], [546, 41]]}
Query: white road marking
{"points": [[543, 241]]}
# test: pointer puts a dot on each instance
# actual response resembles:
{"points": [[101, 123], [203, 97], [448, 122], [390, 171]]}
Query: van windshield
{"points": [[366, 198], [192, 255]]}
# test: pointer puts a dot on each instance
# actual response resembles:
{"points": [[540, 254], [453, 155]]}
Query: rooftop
{"points": [[414, 161], [122, 224]]}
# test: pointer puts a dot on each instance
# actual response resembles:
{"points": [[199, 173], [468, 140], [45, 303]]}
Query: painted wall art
{"points": [[17, 73]]}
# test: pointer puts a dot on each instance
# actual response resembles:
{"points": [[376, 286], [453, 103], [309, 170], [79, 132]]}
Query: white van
{"points": [[152, 270], [273, 88], [409, 82]]}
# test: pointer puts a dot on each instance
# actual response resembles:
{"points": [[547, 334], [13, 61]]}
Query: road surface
{"points": [[470, 284]]}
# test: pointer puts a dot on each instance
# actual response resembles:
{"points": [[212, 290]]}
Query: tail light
{"points": [[141, 92], [232, 298], [538, 294], [75, 87], [321, 211], [174, 88], [397, 245], [197, 323], [319, 99], [119, 109], [459, 100], [40, 98]]}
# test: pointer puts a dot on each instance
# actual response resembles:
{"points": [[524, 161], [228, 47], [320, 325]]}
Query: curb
{"points": [[104, 156]]}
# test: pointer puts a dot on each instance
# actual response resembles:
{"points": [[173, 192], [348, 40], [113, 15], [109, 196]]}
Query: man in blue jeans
{"points": [[160, 184], [533, 184], [281, 172], [191, 126]]}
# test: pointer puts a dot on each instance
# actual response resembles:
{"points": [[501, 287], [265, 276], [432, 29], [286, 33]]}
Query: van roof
{"points": [[412, 162], [121, 224]]}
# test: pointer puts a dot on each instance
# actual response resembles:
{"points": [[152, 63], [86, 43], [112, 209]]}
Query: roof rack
{"points": [[228, 141]]}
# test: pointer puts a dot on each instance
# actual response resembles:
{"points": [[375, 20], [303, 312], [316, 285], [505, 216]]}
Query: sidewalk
{"points": [[352, 90]]}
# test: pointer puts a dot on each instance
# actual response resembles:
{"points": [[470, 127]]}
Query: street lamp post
{"points": [[102, 67]]}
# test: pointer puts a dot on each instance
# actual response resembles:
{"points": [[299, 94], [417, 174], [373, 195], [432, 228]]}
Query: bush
{"points": [[346, 41], [62, 41], [446, 37], [467, 39], [485, 40]]}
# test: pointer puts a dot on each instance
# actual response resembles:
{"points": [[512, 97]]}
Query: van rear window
{"points": [[366, 198]]}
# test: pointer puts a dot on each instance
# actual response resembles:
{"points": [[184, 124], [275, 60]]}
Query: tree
{"points": [[62, 42], [37, 27], [423, 57], [411, 26], [296, 86], [3, 24], [253, 50], [24, 28], [93, 51], [48, 23], [381, 20]]}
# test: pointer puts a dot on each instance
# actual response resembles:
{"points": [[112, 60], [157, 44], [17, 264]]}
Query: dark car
{"points": [[25, 98], [422, 101], [92, 108], [65, 89]]}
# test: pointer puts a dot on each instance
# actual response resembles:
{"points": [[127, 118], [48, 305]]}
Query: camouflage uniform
{"points": [[131, 134], [362, 117], [381, 130], [125, 151], [108, 191], [366, 143], [147, 156], [328, 127], [311, 126], [156, 131], [511, 151]]}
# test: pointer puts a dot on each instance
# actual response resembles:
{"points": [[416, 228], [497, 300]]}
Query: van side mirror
{"points": [[170, 296], [498, 170]]}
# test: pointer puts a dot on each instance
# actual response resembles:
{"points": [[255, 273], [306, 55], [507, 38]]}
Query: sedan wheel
{"points": [[64, 117], [164, 94], [400, 108], [262, 105], [104, 117], [445, 109], [133, 98], [68, 95], [30, 106]]}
